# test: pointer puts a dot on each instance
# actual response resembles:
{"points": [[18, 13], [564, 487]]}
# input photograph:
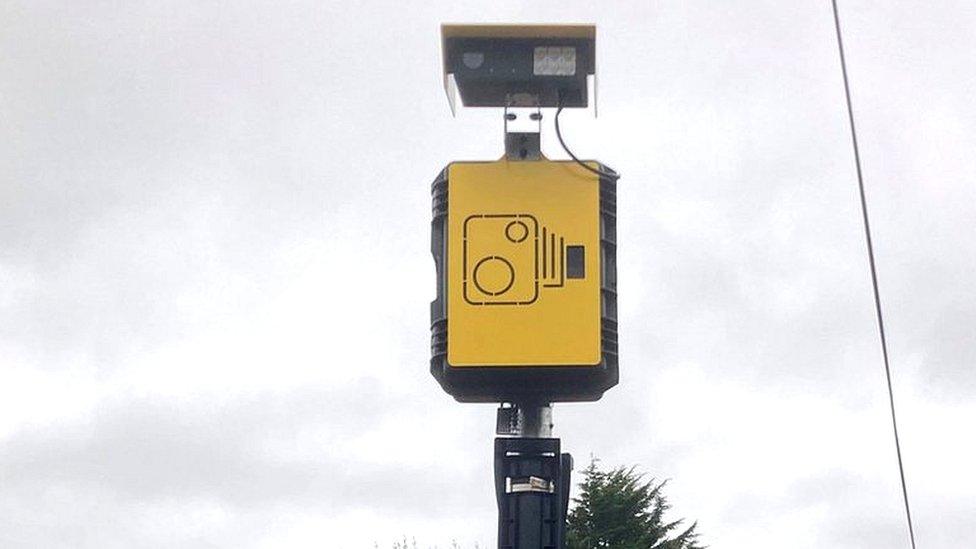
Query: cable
{"points": [[874, 271], [559, 135]]}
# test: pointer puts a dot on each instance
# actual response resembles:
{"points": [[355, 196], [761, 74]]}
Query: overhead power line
{"points": [[874, 271]]}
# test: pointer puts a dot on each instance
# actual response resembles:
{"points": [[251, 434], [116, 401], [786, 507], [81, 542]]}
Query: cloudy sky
{"points": [[215, 271]]}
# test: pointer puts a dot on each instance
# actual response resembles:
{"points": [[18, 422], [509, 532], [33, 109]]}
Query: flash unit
{"points": [[518, 65]]}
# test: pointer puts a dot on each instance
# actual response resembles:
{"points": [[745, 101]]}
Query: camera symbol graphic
{"points": [[508, 257]]}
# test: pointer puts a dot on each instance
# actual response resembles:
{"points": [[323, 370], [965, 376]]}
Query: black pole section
{"points": [[532, 480]]}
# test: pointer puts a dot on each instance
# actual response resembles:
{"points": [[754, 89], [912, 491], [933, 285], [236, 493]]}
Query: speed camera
{"points": [[526, 263], [524, 247]]}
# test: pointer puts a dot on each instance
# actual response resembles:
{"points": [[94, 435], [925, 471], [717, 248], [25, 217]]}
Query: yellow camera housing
{"points": [[526, 304]]}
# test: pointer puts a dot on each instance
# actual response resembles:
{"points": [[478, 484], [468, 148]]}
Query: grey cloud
{"points": [[156, 151], [156, 449]]}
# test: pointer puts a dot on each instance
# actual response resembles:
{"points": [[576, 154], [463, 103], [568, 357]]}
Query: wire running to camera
{"points": [[559, 135], [874, 271]]}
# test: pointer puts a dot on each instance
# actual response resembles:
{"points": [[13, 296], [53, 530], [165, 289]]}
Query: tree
{"points": [[618, 509]]}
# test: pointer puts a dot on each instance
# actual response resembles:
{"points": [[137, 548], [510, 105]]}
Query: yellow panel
{"points": [[511, 298]]}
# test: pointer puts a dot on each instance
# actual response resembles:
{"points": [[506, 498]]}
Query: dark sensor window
{"points": [[575, 262]]}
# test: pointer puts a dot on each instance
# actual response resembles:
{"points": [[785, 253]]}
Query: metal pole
{"points": [[531, 479], [531, 474]]}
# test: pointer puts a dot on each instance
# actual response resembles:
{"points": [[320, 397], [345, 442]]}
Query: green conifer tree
{"points": [[618, 509]]}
